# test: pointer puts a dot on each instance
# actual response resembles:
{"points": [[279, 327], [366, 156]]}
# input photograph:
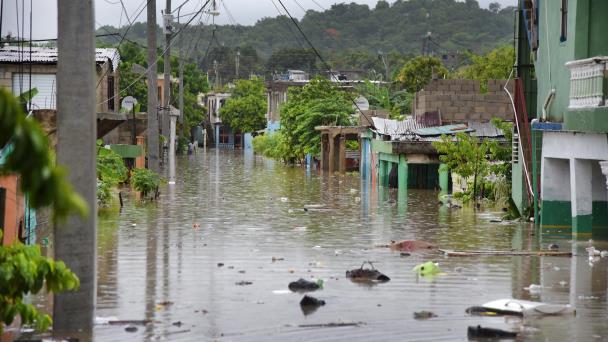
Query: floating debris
{"points": [[534, 289], [481, 332], [310, 304], [553, 247], [411, 245], [243, 283], [220, 264], [367, 274], [424, 315], [303, 285], [516, 307], [428, 268], [131, 328], [331, 325], [277, 259]]}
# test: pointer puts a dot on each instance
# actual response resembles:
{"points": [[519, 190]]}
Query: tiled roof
{"points": [[13, 54]]}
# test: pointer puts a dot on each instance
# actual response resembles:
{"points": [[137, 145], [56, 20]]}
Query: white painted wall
{"points": [[569, 145], [555, 175]]}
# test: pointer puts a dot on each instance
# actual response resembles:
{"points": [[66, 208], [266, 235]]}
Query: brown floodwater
{"points": [[159, 262]]}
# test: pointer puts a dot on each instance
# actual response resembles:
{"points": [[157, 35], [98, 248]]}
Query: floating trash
{"points": [[428, 268]]}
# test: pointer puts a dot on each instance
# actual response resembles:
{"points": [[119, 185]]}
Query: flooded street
{"points": [[160, 261]]}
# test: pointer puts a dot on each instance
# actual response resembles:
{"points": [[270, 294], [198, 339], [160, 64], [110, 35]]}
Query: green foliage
{"points": [[23, 270], [469, 156], [272, 146], [417, 72], [111, 171], [32, 158], [145, 181], [245, 110], [349, 27], [319, 103], [496, 64], [133, 84], [397, 102]]}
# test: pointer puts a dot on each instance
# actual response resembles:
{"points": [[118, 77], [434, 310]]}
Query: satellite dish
{"points": [[128, 103], [362, 103]]}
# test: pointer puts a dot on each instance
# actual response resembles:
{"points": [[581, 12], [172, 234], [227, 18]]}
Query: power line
{"points": [[156, 61], [321, 58], [144, 5]]}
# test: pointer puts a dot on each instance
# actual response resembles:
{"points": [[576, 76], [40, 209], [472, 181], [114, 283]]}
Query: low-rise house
{"points": [[223, 135], [570, 131]]}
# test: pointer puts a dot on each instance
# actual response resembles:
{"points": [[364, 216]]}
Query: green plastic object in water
{"points": [[426, 269]]}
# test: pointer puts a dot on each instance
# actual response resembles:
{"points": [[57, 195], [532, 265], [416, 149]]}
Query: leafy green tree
{"points": [[133, 84], [496, 64], [319, 103], [245, 109], [466, 155], [111, 171], [417, 72], [470, 156]]}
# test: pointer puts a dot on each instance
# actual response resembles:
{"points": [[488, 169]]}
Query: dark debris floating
{"points": [[371, 275]]}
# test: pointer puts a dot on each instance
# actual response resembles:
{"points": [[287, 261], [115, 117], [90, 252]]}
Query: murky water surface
{"points": [[160, 262]]}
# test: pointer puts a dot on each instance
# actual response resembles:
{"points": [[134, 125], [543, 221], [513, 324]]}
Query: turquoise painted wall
{"points": [[552, 55], [586, 37]]}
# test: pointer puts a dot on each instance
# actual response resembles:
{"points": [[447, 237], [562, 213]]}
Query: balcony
{"points": [[588, 82]]}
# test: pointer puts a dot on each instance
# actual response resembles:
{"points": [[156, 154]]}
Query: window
{"points": [[564, 27], [111, 93]]}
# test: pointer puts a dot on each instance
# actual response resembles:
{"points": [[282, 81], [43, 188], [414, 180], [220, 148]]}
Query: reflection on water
{"points": [[160, 261]]}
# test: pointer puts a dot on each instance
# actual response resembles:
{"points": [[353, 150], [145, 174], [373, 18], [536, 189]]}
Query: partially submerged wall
{"points": [[462, 100]]}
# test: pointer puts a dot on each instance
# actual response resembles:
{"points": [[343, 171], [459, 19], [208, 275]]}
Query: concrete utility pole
{"points": [[169, 115], [153, 143], [167, 71], [76, 239], [181, 85], [238, 62]]}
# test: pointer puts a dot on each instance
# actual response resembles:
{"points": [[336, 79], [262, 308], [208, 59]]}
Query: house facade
{"points": [[569, 44], [223, 135]]}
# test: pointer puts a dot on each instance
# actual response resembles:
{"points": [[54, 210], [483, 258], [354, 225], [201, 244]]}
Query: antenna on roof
{"points": [[214, 11]]}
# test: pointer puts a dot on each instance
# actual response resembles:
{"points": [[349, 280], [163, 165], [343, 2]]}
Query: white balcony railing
{"points": [[587, 82]]}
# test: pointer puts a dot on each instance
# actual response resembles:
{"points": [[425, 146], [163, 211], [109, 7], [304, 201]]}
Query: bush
{"points": [[111, 171], [272, 146], [145, 181], [23, 270]]}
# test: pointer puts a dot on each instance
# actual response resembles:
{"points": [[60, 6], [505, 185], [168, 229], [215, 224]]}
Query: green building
{"points": [[567, 44]]}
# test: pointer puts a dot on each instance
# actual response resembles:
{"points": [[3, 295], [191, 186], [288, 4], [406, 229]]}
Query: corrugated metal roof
{"points": [[440, 130], [410, 130], [485, 129], [397, 130], [13, 54]]}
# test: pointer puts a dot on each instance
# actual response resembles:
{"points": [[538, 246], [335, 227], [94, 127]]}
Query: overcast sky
{"points": [[109, 12]]}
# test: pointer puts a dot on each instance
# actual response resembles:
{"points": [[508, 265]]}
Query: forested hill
{"points": [[400, 26]]}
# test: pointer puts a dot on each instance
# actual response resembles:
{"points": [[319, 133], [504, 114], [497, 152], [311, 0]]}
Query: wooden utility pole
{"points": [[153, 139], [76, 239]]}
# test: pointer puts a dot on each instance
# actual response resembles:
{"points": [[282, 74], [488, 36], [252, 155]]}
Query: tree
{"points": [[319, 103], [494, 7], [417, 72], [466, 155], [496, 64], [245, 110]]}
